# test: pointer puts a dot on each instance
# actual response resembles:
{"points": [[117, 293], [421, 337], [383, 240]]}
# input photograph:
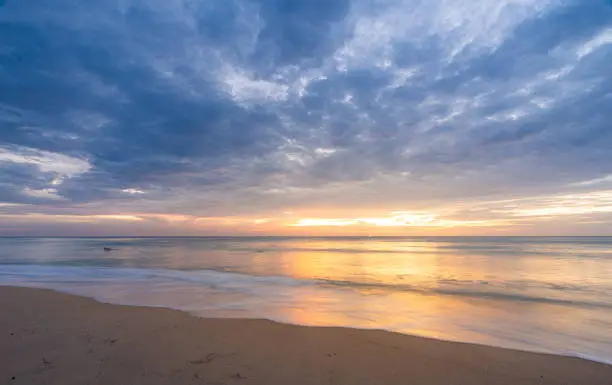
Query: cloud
{"points": [[47, 162], [133, 191], [250, 108], [383, 29], [26, 173], [243, 88]]}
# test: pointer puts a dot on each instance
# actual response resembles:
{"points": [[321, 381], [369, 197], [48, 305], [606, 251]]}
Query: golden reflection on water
{"points": [[432, 288], [397, 281], [369, 262]]}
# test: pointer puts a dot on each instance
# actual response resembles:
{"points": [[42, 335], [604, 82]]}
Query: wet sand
{"points": [[57, 339]]}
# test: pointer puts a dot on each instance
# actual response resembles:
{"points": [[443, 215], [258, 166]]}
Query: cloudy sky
{"points": [[414, 117]]}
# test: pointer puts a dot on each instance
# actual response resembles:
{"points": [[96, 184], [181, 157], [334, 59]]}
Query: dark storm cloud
{"points": [[193, 102]]}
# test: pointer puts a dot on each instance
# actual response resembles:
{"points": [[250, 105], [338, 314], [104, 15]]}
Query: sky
{"points": [[319, 117]]}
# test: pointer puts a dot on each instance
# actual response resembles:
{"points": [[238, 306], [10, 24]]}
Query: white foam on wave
{"points": [[67, 274], [589, 357], [239, 282]]}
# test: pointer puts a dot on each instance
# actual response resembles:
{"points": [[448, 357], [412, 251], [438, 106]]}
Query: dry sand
{"points": [[57, 339]]}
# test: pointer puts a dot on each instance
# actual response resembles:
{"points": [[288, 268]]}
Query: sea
{"points": [[544, 294]]}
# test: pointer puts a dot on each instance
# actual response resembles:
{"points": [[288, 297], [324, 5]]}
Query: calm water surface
{"points": [[544, 294]]}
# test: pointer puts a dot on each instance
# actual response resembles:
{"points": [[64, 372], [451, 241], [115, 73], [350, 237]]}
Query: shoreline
{"points": [[54, 337], [582, 356]]}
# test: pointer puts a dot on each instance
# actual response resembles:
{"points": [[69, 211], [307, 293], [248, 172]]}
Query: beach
{"points": [[54, 338], [551, 295]]}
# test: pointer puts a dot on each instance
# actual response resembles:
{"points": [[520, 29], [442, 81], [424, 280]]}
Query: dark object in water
{"points": [[239, 376], [107, 249]]}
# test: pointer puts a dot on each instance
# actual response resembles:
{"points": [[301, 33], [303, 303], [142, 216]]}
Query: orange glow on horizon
{"points": [[283, 223], [397, 219], [521, 216]]}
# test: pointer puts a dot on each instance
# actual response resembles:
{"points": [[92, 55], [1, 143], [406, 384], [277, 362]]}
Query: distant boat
{"points": [[107, 249]]}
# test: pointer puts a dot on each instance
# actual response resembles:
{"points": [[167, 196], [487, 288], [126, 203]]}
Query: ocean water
{"points": [[548, 294]]}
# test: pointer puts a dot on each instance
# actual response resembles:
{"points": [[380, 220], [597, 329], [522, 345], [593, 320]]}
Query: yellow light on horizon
{"points": [[399, 220], [393, 221], [118, 217], [323, 222]]}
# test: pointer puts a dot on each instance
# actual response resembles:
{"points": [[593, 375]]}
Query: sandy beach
{"points": [[53, 338]]}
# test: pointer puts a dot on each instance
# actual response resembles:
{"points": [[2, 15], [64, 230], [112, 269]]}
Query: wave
{"points": [[589, 357], [240, 282], [463, 292], [68, 274]]}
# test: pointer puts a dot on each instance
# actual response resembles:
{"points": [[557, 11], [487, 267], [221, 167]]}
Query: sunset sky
{"points": [[318, 117]]}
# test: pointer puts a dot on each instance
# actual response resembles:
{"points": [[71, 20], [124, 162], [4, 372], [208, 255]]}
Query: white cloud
{"points": [[243, 87], [302, 81], [591, 182], [396, 219], [4, 204], [455, 24], [402, 76], [133, 191], [601, 39], [508, 115], [594, 202], [47, 193], [63, 165], [324, 152]]}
